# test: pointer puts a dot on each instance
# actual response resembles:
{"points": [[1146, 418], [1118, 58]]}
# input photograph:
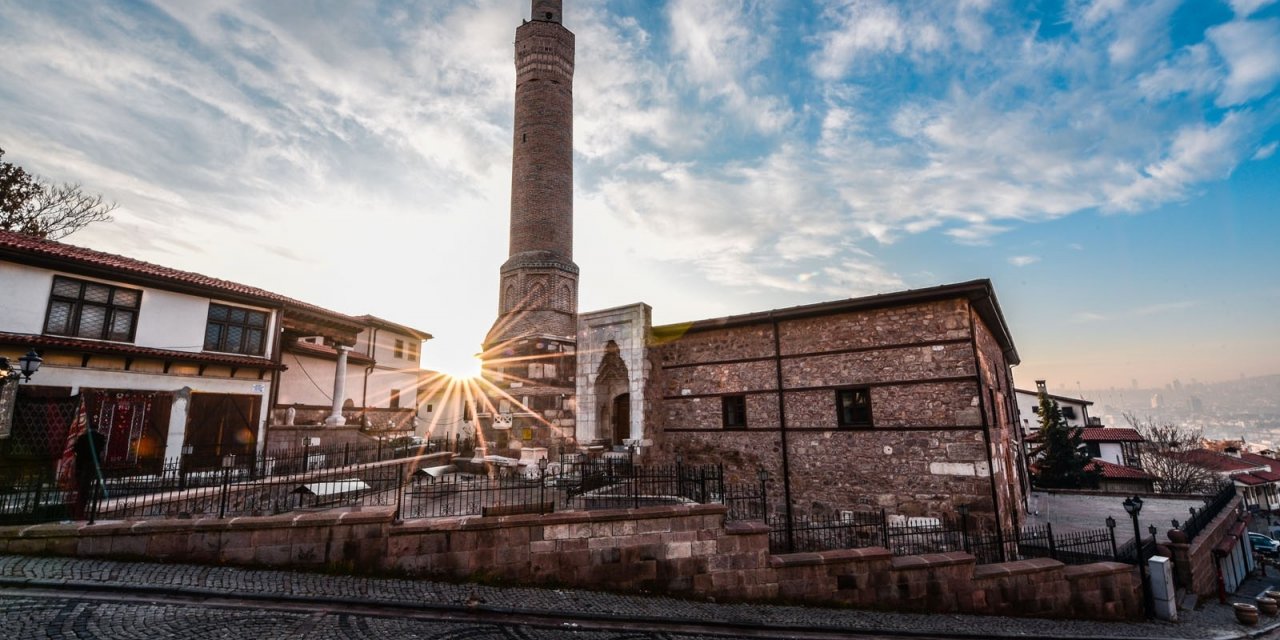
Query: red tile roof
{"points": [[1249, 479], [28, 250], [1214, 461], [129, 350], [1269, 476], [395, 326], [1260, 460], [1114, 434], [1113, 471]]}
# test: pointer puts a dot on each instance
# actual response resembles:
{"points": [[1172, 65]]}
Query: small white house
{"points": [[1074, 410], [165, 362]]}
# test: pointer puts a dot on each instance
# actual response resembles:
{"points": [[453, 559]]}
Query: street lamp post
{"points": [[1133, 506]]}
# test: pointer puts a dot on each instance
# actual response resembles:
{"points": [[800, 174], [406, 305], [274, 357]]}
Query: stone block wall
{"points": [[685, 550], [940, 403]]}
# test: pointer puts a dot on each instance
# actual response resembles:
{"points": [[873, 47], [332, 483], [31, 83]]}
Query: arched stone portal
{"points": [[612, 397]]}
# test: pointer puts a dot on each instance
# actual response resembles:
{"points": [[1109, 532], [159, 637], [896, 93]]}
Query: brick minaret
{"points": [[529, 352]]}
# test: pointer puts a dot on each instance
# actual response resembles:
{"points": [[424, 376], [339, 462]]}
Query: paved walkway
{"points": [[79, 575]]}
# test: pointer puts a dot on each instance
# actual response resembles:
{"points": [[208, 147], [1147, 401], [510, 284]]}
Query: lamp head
{"points": [[30, 364]]}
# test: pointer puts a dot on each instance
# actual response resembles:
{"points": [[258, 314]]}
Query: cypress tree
{"points": [[1065, 461]]}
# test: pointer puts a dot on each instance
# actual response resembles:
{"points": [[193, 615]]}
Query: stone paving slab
{"points": [[1210, 621]]}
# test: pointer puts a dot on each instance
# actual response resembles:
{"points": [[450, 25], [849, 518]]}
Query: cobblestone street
{"points": [[72, 598], [41, 617]]}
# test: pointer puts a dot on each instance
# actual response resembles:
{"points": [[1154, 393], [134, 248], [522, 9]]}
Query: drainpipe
{"points": [[782, 430], [364, 395], [273, 390]]}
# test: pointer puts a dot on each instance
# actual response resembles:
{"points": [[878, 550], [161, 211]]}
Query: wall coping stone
{"points": [[47, 530], [1016, 568], [108, 527], [149, 526], [745, 528], [804, 559], [931, 560], [807, 559], [474, 523], [1078, 571]]}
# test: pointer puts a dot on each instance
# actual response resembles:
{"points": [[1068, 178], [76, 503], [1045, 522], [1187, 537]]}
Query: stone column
{"points": [[335, 419]]}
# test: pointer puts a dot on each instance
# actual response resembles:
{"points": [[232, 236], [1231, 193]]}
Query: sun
{"points": [[466, 368]]}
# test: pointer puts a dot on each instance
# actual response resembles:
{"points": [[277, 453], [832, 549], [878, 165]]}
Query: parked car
{"points": [[1264, 545]]}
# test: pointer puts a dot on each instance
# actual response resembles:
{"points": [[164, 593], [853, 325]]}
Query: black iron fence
{"points": [[1200, 518], [578, 484], [181, 486], [857, 529]]}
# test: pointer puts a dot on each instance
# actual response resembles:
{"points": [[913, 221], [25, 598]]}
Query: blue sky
{"points": [[1111, 165]]}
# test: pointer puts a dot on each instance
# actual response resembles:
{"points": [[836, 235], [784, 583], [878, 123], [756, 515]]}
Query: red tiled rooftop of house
{"points": [[1260, 460], [1114, 434], [1113, 471], [1269, 476], [1250, 479], [29, 249], [1215, 461]]}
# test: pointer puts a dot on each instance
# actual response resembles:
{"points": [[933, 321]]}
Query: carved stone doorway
{"points": [[612, 398]]}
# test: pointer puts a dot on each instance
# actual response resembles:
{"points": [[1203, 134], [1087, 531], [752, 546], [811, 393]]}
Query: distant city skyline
{"points": [[1112, 165]]}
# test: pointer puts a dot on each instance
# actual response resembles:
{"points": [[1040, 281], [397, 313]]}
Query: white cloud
{"points": [[1245, 8], [720, 42], [1265, 151], [863, 29], [1198, 153], [1252, 51], [1193, 70], [1022, 261]]}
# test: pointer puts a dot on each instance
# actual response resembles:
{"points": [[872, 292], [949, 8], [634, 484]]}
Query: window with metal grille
{"points": [[853, 407], [83, 309], [235, 330], [734, 411]]}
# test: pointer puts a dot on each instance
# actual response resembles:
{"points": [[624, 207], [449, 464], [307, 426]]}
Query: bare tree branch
{"points": [[46, 209], [62, 209], [1159, 456]]}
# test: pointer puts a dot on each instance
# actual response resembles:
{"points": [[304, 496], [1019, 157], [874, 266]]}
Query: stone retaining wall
{"points": [[687, 550], [1194, 567]]}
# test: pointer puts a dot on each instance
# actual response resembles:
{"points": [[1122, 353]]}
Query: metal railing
{"points": [[187, 485], [858, 529], [578, 484], [1200, 518]]}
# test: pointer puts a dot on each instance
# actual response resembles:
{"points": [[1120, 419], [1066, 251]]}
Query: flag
{"points": [[67, 463]]}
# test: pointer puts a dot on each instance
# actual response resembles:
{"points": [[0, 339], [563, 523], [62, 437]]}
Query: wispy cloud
{"points": [[1265, 151], [1164, 307], [1087, 316], [1022, 261]]}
